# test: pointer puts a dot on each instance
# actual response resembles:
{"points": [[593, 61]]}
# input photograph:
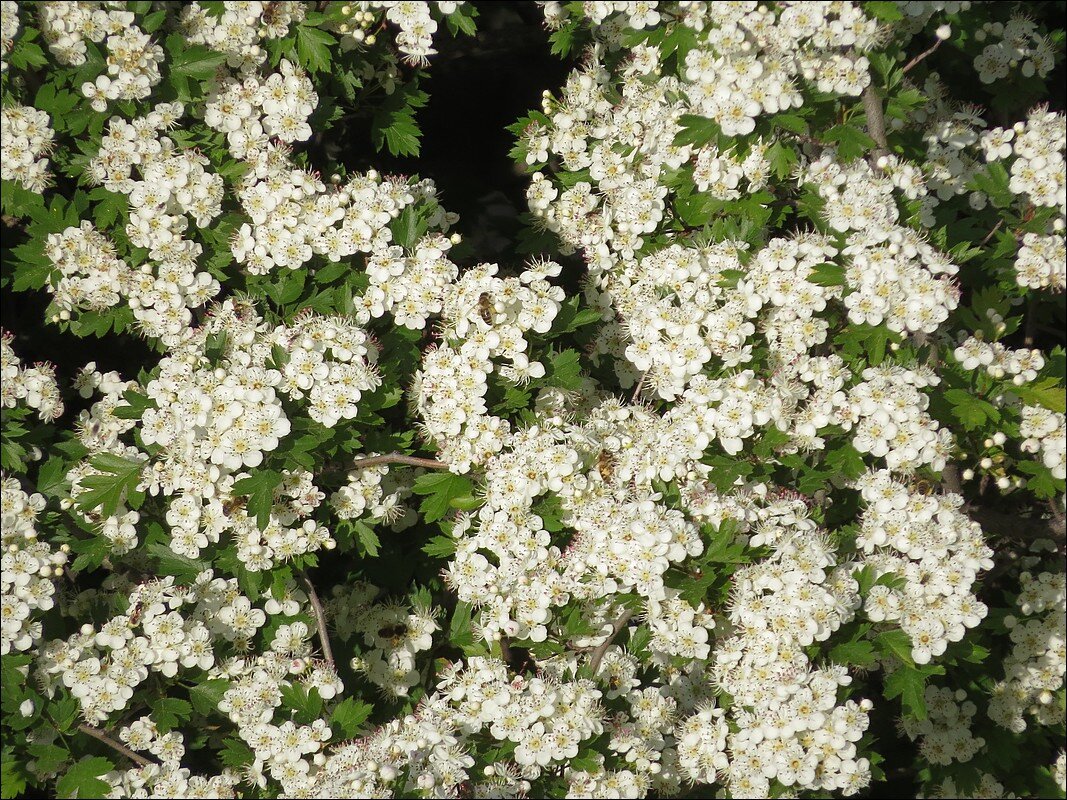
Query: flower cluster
{"points": [[67, 26], [102, 666], [34, 387], [410, 285], [168, 778], [9, 28], [170, 187], [294, 216], [490, 317], [1016, 44], [892, 422], [999, 361], [253, 110], [391, 636], [896, 277], [378, 492], [133, 61], [790, 725], [1040, 262], [625, 135], [1036, 147], [25, 142], [330, 361], [1045, 432], [27, 568], [1034, 670], [241, 28], [946, 732], [930, 554]]}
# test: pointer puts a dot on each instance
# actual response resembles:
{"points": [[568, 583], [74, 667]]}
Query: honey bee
{"points": [[135, 613], [233, 504], [605, 465], [270, 12], [485, 308], [394, 633], [924, 487]]}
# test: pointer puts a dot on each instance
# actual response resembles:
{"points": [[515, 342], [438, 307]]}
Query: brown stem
{"points": [[397, 458], [1019, 528], [320, 622], [950, 479], [872, 106], [119, 747], [928, 51], [598, 654], [1030, 331]]}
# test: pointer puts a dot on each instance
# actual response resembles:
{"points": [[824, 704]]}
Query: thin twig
{"points": [[598, 654], [119, 747], [397, 458], [992, 233], [640, 385], [929, 51], [320, 622]]}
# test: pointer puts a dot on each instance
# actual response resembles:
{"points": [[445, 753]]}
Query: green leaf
{"points": [[52, 477], [440, 547], [205, 696], [970, 410], [459, 632], [26, 55], [994, 181], [909, 684], [697, 131], [196, 62], [13, 775], [790, 122], [49, 757], [459, 21], [564, 370], [896, 643], [845, 460], [867, 342], [726, 470], [440, 488], [235, 753], [350, 715], [851, 141], [83, 779], [306, 703], [782, 159], [859, 653], [884, 10], [369, 543], [91, 553], [118, 483], [313, 48], [259, 488], [394, 125], [827, 275], [1040, 480], [1046, 392], [182, 568], [169, 712]]}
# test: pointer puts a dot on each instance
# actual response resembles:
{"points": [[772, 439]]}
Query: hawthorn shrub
{"points": [[744, 477]]}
